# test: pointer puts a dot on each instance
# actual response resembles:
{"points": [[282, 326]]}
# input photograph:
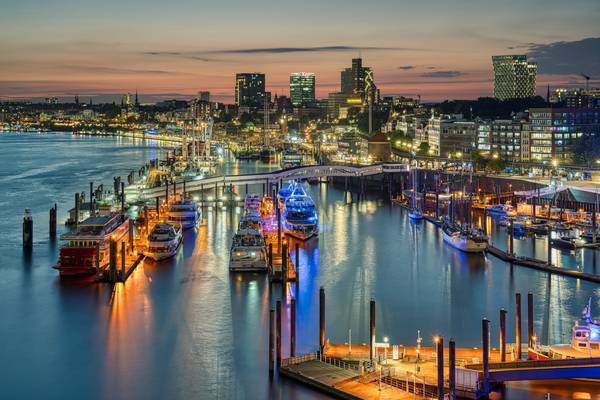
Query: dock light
{"points": [[554, 163], [385, 339], [436, 339]]}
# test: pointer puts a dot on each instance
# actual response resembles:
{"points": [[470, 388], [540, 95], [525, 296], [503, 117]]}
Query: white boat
{"points": [[183, 211], [248, 252], [300, 218], [253, 222], [585, 341], [501, 209], [414, 213], [252, 204], [469, 241], [163, 241]]}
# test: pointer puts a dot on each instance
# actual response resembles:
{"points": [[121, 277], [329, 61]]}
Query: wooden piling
{"points": [[113, 260], [284, 270], [270, 255], [97, 260], [123, 260], [518, 324], [27, 230], [271, 341], [52, 223], [91, 198], [439, 351], [511, 238], [278, 331], [549, 257], [321, 319], [485, 336], [372, 329], [77, 204], [293, 328], [452, 368], [502, 335], [297, 265], [122, 197], [529, 320], [167, 193]]}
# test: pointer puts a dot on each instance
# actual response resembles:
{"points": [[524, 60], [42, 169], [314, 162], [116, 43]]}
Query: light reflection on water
{"points": [[188, 328]]}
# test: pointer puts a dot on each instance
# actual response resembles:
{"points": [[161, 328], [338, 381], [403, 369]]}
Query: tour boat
{"points": [[164, 241], [248, 251], [585, 341], [469, 241], [285, 192], [252, 204], [501, 209], [78, 256], [567, 243], [268, 154], [183, 211], [253, 222], [300, 215]]}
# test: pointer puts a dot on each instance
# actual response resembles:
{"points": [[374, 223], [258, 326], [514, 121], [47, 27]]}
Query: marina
{"points": [[435, 280]]}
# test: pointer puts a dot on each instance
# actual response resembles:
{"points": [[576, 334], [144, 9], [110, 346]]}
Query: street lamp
{"points": [[385, 340]]}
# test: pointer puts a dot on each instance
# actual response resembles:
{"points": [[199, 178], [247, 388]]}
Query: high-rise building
{"points": [[204, 96], [346, 81], [250, 89], [358, 77], [302, 88], [127, 100], [514, 77]]}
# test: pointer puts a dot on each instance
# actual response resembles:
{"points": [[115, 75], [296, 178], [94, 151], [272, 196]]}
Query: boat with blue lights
{"points": [[300, 218], [185, 212]]}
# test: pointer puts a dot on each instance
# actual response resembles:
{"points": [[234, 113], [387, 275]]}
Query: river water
{"points": [[187, 328]]}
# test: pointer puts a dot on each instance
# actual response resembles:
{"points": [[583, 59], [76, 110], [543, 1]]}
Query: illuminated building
{"points": [[514, 77], [127, 100], [346, 81], [250, 89], [336, 104], [302, 89], [505, 138], [204, 96], [553, 131], [379, 148]]}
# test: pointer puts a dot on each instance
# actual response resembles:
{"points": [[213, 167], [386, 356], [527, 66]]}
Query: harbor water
{"points": [[188, 328]]}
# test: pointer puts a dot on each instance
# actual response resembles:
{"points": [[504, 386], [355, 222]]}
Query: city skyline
{"points": [[176, 52]]}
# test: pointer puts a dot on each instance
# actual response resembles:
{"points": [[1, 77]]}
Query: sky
{"points": [[438, 49]]}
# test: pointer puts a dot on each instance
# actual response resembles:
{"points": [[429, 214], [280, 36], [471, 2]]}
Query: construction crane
{"points": [[587, 81]]}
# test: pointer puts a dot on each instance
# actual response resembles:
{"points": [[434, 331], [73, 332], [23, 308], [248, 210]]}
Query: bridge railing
{"points": [[539, 363]]}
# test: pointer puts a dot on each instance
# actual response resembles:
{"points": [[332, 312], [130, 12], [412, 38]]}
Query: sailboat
{"points": [[414, 213]]}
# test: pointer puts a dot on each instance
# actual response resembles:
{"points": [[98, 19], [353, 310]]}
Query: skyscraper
{"points": [[302, 88], [346, 81], [514, 77], [358, 77], [250, 89]]}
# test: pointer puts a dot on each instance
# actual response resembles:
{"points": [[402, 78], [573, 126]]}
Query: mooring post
{"points": [[122, 197], [518, 324], [271, 341], [437, 205], [529, 321], [594, 226], [321, 319], [167, 193], [297, 249], [77, 204], [113, 260], [130, 236], [175, 188], [511, 238], [293, 328], [372, 330], [284, 270], [271, 256], [184, 195], [439, 351], [549, 257], [278, 333], [91, 197], [123, 260], [485, 335], [502, 335], [452, 368], [52, 223], [27, 230], [157, 209], [97, 261]]}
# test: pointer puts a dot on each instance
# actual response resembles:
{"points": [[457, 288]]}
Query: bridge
{"points": [[295, 173], [527, 370]]}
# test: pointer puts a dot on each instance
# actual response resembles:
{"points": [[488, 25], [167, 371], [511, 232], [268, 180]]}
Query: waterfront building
{"points": [[302, 89], [379, 148], [553, 131], [483, 137], [505, 139], [200, 110], [449, 134], [250, 89], [514, 77]]}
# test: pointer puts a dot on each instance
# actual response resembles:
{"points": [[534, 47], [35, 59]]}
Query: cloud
{"points": [[113, 70], [442, 74], [567, 58], [406, 67]]}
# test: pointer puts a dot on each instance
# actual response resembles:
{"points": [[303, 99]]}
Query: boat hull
{"points": [[464, 244], [241, 265]]}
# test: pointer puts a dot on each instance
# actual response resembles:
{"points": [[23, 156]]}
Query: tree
{"points": [[423, 149], [479, 162]]}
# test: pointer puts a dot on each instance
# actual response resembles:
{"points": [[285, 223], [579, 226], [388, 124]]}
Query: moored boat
{"points": [[183, 211], [248, 251], [467, 240], [78, 256], [164, 241], [501, 209], [300, 218]]}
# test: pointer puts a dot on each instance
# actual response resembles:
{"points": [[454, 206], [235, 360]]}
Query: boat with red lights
{"points": [[78, 255]]}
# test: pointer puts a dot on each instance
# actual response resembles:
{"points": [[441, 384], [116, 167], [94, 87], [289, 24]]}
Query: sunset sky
{"points": [[436, 48]]}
